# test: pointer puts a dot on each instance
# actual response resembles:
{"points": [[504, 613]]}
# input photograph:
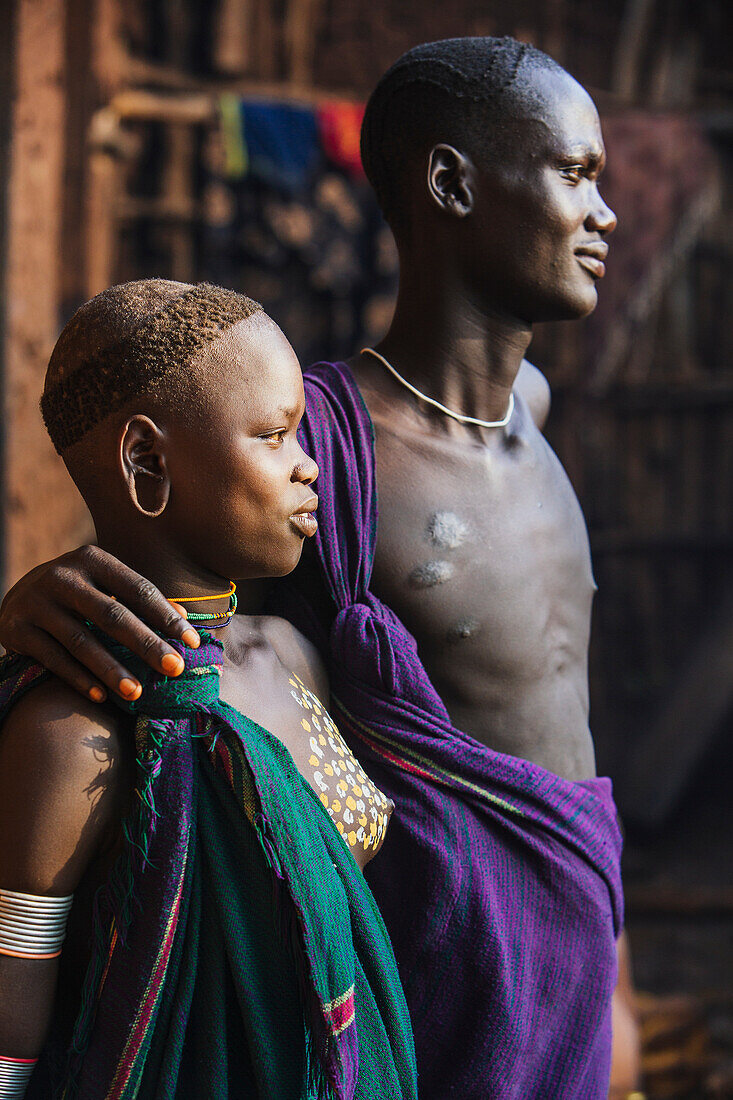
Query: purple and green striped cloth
{"points": [[238, 952], [499, 882]]}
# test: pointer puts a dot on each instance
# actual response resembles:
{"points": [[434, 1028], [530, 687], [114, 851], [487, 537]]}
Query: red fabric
{"points": [[339, 125]]}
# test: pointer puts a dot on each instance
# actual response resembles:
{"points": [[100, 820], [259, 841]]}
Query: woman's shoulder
{"points": [[65, 772], [63, 725], [296, 653]]}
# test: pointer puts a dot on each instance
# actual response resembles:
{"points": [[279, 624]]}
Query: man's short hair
{"points": [[135, 339], [458, 90]]}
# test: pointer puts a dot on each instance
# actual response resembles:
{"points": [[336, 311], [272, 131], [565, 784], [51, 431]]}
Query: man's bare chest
{"points": [[481, 547]]}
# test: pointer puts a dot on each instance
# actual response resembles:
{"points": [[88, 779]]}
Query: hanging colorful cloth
{"points": [[275, 142], [238, 950], [339, 126]]}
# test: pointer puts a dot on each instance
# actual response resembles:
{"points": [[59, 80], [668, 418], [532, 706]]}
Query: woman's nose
{"points": [[306, 471]]}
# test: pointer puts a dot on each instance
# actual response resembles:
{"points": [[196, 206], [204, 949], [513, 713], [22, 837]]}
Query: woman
{"points": [[236, 950]]}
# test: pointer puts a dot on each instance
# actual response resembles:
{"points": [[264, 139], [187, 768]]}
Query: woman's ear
{"points": [[450, 180], [143, 465]]}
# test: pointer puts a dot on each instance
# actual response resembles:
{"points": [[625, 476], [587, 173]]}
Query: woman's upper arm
{"points": [[60, 776]]}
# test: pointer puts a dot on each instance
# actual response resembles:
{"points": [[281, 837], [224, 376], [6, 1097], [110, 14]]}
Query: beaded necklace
{"points": [[215, 620]]}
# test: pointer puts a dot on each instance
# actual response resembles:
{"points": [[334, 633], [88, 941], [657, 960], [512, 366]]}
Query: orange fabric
{"points": [[339, 125]]}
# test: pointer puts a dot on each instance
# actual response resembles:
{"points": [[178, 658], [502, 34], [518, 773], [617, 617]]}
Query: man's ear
{"points": [[450, 180], [143, 465]]}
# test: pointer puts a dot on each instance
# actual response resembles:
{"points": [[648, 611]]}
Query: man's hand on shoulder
{"points": [[44, 616], [534, 388], [64, 779]]}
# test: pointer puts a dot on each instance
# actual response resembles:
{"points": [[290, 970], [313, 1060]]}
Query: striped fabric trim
{"points": [[417, 764], [340, 1013], [148, 1004]]}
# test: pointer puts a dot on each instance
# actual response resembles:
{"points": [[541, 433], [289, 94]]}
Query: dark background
{"points": [[114, 166]]}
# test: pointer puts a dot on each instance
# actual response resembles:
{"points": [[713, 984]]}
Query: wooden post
{"points": [[44, 513], [630, 47], [301, 27], [104, 169]]}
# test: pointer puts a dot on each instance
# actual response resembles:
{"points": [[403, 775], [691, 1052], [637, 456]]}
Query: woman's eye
{"points": [[274, 439]]}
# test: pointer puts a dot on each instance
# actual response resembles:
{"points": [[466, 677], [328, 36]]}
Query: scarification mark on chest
{"points": [[356, 806], [446, 530], [430, 573], [464, 628]]}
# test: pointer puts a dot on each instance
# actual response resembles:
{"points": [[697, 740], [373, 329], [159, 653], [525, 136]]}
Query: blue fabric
{"points": [[282, 143]]}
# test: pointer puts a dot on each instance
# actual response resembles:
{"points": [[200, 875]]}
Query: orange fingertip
{"points": [[97, 695], [191, 638], [179, 608], [172, 664], [130, 688]]}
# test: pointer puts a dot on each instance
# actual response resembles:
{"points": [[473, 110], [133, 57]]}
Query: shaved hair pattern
{"points": [[128, 341], [440, 91]]}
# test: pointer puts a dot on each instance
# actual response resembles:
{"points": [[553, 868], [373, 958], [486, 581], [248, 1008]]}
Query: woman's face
{"points": [[241, 499]]}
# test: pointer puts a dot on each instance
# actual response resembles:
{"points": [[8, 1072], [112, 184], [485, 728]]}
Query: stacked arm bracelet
{"points": [[15, 1073], [32, 927]]}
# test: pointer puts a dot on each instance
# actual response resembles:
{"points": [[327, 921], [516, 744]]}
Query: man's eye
{"points": [[274, 439], [573, 172]]}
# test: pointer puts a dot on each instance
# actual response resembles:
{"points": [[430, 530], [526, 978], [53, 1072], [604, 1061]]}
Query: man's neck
{"points": [[461, 355]]}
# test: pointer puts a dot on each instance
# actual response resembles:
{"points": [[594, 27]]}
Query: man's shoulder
{"points": [[534, 389]]}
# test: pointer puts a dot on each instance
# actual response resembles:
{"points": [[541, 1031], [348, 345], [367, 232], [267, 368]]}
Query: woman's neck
{"points": [[177, 577]]}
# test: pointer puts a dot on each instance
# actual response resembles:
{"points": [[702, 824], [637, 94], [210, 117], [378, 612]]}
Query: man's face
{"points": [[241, 484], [539, 224]]}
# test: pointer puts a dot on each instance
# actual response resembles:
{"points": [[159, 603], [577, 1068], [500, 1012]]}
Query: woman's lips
{"points": [[305, 523]]}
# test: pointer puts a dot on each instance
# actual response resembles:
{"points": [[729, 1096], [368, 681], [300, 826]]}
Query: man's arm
{"points": [[62, 785], [44, 617]]}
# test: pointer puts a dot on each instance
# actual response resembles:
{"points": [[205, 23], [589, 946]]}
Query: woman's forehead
{"points": [[254, 361]]}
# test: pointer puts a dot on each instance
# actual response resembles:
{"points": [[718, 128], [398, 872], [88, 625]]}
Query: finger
{"points": [[84, 649], [140, 596], [44, 649], [119, 623]]}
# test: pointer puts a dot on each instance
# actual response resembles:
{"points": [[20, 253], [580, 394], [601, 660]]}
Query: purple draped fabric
{"points": [[499, 882]]}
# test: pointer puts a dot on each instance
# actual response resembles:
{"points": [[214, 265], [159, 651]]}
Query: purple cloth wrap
{"points": [[499, 882]]}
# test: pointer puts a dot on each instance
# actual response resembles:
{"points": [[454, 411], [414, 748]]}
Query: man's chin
{"points": [[573, 308]]}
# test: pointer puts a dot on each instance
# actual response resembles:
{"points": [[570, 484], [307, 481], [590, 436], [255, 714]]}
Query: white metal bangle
{"points": [[32, 926], [15, 1073]]}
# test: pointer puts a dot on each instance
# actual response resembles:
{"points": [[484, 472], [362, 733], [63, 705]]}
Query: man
{"points": [[500, 885]]}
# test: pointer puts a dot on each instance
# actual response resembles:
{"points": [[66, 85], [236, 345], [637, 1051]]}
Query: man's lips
{"points": [[591, 257], [303, 520]]}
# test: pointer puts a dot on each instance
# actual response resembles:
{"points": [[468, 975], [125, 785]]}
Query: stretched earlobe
{"points": [[450, 180], [143, 465]]}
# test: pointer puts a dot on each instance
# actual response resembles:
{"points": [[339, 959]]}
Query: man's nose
{"points": [[602, 217], [306, 470]]}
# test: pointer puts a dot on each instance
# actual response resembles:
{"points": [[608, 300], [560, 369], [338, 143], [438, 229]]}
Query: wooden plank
{"points": [[673, 900], [630, 47], [688, 720], [301, 29], [232, 36], [44, 513]]}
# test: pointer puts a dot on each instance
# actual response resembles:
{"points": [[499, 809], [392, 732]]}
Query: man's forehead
{"points": [[557, 110]]}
